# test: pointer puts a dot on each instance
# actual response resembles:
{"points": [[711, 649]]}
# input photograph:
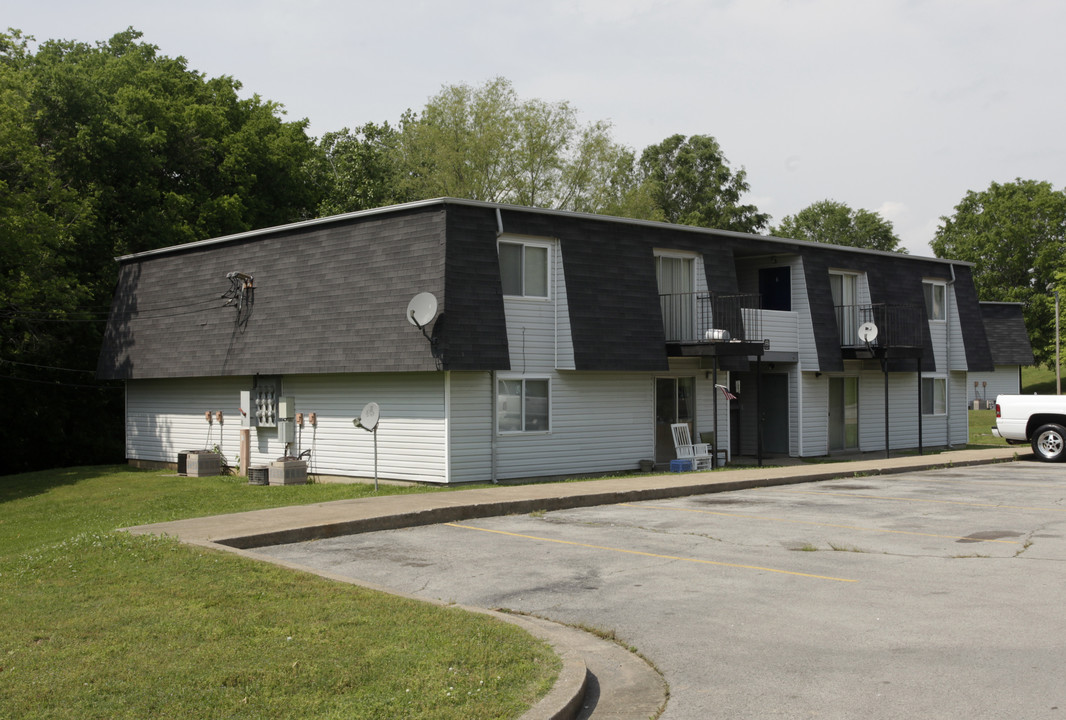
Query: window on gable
{"points": [[524, 269], [523, 405], [934, 396], [935, 303]]}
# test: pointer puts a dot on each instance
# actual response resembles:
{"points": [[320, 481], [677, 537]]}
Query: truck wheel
{"points": [[1049, 442]]}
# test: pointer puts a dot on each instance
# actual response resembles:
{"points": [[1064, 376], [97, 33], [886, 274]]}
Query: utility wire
{"points": [[60, 384], [103, 318], [46, 367], [105, 309]]}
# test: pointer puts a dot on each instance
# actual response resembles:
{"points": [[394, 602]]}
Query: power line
{"points": [[60, 384], [104, 317], [45, 367]]}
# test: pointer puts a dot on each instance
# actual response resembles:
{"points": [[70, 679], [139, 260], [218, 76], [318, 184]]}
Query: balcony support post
{"points": [[919, 361], [714, 409], [758, 408], [884, 371]]}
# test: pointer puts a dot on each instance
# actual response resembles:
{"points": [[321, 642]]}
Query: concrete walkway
{"points": [[609, 681]]}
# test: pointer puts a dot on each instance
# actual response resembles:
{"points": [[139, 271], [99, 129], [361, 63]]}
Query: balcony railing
{"points": [[703, 317], [898, 326]]}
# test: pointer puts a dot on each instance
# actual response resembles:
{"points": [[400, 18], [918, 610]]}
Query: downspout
{"points": [[799, 403], [493, 387], [492, 430], [947, 318]]}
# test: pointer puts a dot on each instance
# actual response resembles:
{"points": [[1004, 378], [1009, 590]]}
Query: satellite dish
{"points": [[422, 309], [368, 419], [868, 332]]}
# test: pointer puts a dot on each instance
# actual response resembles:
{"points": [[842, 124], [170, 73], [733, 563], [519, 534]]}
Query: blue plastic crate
{"points": [[681, 465]]}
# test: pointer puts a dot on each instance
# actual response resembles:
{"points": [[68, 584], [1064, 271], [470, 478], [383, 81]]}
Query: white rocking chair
{"points": [[698, 453]]}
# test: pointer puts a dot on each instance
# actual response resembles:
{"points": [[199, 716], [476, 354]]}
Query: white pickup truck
{"points": [[1039, 420]]}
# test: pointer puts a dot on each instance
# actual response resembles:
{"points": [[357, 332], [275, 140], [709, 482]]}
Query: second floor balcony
{"points": [[896, 327], [721, 324]]}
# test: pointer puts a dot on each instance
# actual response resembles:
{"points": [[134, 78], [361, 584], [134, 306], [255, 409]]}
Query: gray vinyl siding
{"points": [[903, 412], [815, 415], [471, 428], [165, 417], [1004, 380], [600, 422], [801, 305], [538, 330]]}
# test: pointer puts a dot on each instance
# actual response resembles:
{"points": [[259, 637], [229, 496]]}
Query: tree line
{"points": [[113, 148]]}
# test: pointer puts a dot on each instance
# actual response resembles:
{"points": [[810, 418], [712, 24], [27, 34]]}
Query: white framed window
{"points": [[935, 299], [676, 276], [934, 396], [844, 286], [525, 267], [523, 404]]}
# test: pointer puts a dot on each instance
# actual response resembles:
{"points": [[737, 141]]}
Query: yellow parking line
{"points": [[647, 554], [915, 500], [811, 522]]}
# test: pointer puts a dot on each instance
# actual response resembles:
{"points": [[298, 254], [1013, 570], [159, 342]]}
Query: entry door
{"points": [[773, 407], [843, 413], [775, 287], [675, 402]]}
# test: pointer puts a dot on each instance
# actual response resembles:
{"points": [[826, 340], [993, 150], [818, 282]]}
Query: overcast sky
{"points": [[895, 106]]}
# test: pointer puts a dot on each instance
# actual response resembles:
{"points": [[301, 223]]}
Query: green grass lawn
{"points": [[102, 624], [981, 424], [1039, 380]]}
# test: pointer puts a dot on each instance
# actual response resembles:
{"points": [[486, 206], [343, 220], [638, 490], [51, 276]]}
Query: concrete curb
{"points": [[642, 697]]}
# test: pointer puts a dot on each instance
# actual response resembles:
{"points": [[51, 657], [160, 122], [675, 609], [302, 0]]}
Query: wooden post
{"points": [[246, 451]]}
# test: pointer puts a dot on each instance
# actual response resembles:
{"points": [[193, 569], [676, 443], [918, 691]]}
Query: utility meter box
{"points": [[287, 407], [286, 419], [248, 414]]}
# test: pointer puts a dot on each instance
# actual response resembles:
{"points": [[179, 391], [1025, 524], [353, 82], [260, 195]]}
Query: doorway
{"points": [[773, 410], [843, 413], [675, 402]]}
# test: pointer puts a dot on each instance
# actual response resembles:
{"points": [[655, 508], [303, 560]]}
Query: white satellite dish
{"points": [[368, 419], [422, 309], [868, 332]]}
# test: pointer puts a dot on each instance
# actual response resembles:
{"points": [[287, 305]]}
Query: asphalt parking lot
{"points": [[924, 595]]}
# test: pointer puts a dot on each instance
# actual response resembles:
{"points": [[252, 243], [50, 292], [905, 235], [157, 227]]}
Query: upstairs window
{"points": [[935, 300], [524, 269], [844, 288]]}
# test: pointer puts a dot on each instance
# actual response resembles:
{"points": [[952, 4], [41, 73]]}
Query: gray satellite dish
{"points": [[422, 309], [368, 419], [868, 332]]}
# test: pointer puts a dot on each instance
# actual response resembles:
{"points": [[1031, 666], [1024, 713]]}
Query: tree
{"points": [[110, 149], [485, 143], [689, 181], [835, 223], [359, 170], [1015, 234]]}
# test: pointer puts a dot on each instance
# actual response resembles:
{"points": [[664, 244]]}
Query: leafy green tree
{"points": [[689, 181], [109, 149], [835, 223], [359, 170], [485, 143], [1015, 234]]}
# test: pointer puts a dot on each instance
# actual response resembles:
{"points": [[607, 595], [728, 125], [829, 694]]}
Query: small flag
{"points": [[725, 391]]}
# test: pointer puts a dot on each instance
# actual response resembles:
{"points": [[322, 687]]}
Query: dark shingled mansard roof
{"points": [[1006, 333], [330, 295]]}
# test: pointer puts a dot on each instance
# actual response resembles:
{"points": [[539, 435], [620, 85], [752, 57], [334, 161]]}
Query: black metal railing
{"points": [[704, 317], [897, 326]]}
